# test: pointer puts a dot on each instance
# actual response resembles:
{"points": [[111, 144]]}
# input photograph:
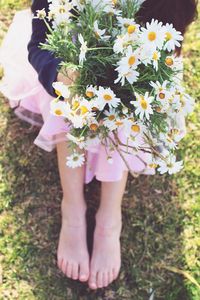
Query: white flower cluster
{"points": [[147, 68]]}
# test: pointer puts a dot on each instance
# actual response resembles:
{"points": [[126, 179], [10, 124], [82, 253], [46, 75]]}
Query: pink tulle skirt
{"points": [[31, 103]]}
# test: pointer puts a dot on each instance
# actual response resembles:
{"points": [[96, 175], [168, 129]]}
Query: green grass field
{"points": [[161, 214]]}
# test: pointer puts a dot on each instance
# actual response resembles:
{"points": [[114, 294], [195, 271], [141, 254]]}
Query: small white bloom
{"points": [[172, 38], [124, 72], [121, 43], [40, 14], [128, 25], [80, 141], [143, 105], [153, 35], [106, 96], [110, 160], [130, 60], [170, 166], [90, 91], [83, 49], [155, 59], [109, 120], [59, 108], [75, 160], [100, 32], [61, 89]]}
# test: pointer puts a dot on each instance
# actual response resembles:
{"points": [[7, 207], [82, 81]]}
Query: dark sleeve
{"points": [[43, 61]]}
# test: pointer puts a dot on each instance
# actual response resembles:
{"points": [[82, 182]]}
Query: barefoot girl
{"points": [[72, 255]]}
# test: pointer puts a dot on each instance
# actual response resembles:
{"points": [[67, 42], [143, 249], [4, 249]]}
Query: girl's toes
{"points": [[92, 281], [84, 272], [63, 266], [115, 273], [100, 279], [105, 279], [75, 271], [110, 277], [69, 270], [59, 263]]}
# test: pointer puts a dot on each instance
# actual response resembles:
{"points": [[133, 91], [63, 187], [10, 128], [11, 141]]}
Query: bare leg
{"points": [[72, 253], [106, 257]]}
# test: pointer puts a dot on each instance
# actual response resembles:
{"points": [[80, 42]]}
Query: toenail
{"points": [[83, 277], [93, 286]]}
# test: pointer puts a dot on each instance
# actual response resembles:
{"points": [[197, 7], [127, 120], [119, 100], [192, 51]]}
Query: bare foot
{"points": [[106, 256], [72, 253]]}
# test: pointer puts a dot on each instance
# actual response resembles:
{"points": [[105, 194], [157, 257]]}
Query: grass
{"points": [[160, 237]]}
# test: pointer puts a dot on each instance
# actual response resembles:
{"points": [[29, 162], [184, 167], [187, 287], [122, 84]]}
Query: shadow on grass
{"points": [[30, 223]]}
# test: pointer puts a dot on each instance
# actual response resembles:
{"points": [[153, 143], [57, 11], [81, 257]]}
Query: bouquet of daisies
{"points": [[129, 80]]}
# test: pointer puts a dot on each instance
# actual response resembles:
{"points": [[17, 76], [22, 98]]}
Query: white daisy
{"points": [[125, 72], [99, 33], [173, 62], [83, 49], [162, 93], [109, 120], [143, 105], [80, 141], [128, 25], [155, 59], [61, 89], [153, 35], [90, 91], [187, 103], [75, 160], [106, 96], [112, 11], [121, 43], [172, 38], [60, 108], [40, 14], [130, 60], [170, 165]]}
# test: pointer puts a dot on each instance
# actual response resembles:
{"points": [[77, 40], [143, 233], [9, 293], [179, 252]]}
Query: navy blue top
{"points": [[43, 61]]}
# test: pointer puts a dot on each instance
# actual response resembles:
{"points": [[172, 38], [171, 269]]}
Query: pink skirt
{"points": [[31, 103]]}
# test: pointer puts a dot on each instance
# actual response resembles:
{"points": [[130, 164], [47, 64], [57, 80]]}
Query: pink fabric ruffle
{"points": [[31, 103]]}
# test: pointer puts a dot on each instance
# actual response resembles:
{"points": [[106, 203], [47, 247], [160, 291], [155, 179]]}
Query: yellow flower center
{"points": [[158, 109], [126, 25], [143, 103], [153, 166], [93, 127], [169, 61], [89, 94], [58, 93], [97, 35], [168, 36], [135, 128], [131, 29], [94, 108], [75, 105], [161, 96], [84, 110], [111, 117], [152, 36], [107, 97], [62, 10], [118, 123], [58, 112], [114, 2], [131, 60], [155, 56]]}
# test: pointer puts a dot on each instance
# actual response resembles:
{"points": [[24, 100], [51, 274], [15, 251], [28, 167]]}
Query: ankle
{"points": [[105, 220], [73, 213]]}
